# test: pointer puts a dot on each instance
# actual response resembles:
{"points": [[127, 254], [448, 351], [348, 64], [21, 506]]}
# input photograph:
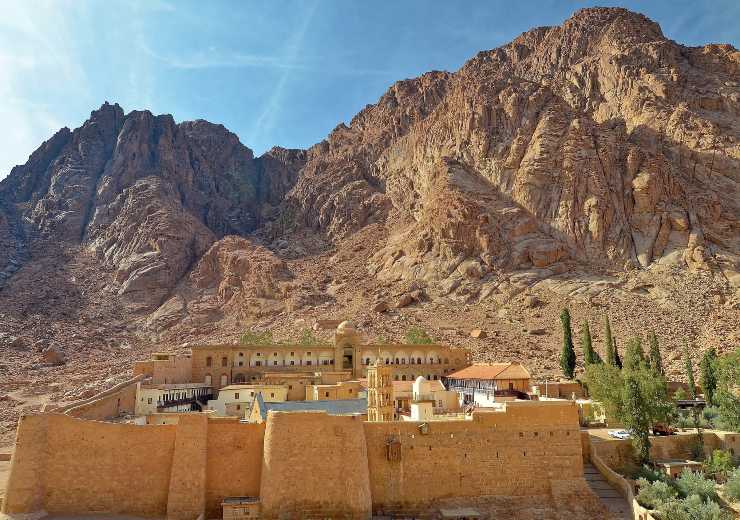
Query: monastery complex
{"points": [[347, 430]]}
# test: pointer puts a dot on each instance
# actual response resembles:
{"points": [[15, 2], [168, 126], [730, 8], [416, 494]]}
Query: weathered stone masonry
{"points": [[297, 463]]}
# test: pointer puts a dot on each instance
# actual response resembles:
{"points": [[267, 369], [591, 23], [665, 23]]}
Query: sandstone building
{"points": [[222, 365]]}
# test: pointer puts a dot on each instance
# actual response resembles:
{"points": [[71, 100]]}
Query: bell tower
{"points": [[380, 399]]}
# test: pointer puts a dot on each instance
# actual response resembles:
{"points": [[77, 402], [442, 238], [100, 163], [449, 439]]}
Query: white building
{"points": [[182, 397], [234, 400]]}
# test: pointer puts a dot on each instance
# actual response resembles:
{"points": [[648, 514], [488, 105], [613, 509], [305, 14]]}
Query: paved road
{"points": [[609, 496]]}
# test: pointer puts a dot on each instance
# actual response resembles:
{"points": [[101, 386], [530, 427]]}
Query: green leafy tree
{"points": [[617, 359], [568, 354], [635, 418], [634, 356], [590, 356], [417, 336], [606, 384], [656, 361], [708, 376]]}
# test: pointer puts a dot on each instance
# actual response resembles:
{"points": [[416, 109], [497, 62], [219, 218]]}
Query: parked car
{"points": [[619, 434], [663, 429]]}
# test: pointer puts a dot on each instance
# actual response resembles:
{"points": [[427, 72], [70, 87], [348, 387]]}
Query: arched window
{"points": [[403, 377], [413, 361], [397, 361], [224, 379], [207, 379], [418, 361], [387, 361], [395, 378], [224, 362], [209, 361], [367, 361], [403, 361]]}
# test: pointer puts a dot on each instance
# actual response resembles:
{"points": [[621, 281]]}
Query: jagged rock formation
{"points": [[594, 165]]}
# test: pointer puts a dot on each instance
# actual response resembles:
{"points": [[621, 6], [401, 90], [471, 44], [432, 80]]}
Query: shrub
{"points": [[691, 483], [417, 336], [692, 508], [653, 494], [645, 472], [257, 338], [308, 338], [718, 465], [732, 487], [680, 394]]}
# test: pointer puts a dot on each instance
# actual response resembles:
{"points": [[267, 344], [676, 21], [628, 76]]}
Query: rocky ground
{"points": [[592, 165]]}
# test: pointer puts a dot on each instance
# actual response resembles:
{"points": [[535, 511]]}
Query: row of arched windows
{"points": [[412, 361]]}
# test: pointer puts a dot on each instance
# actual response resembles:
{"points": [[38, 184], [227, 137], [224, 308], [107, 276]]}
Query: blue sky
{"points": [[274, 72]]}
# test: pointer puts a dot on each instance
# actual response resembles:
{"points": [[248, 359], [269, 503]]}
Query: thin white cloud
{"points": [[36, 43], [265, 122]]}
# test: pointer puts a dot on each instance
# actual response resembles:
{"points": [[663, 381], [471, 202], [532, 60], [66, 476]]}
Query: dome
{"points": [[346, 327], [420, 387]]}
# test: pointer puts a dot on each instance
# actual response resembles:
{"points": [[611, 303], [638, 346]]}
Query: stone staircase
{"points": [[609, 496]]}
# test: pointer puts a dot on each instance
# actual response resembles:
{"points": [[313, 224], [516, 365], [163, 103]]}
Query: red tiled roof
{"points": [[492, 371]]}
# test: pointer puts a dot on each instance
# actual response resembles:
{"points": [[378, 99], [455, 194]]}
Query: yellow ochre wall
{"points": [[296, 462], [529, 445]]}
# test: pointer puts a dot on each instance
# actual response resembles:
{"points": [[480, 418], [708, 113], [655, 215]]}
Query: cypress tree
{"points": [[634, 357], [689, 367], [708, 375], [617, 359], [656, 361], [609, 342], [590, 356], [568, 355], [636, 418]]}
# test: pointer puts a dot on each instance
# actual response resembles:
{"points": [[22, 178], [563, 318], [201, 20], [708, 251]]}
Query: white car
{"points": [[619, 434]]}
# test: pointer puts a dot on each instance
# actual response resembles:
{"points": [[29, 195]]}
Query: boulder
{"points": [[478, 334], [404, 301], [380, 307], [51, 356]]}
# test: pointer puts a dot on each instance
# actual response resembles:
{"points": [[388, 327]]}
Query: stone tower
{"points": [[380, 401]]}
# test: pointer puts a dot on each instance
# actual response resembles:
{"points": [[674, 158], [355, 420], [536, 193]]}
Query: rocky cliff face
{"points": [[598, 143], [593, 165]]}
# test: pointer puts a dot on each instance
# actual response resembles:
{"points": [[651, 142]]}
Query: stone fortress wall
{"points": [[295, 462]]}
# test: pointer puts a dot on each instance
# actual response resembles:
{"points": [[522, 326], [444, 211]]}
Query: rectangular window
{"points": [[274, 363], [258, 363], [236, 395], [149, 401], [308, 362], [272, 395], [292, 363]]}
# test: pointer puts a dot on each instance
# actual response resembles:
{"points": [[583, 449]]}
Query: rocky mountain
{"points": [[595, 165]]}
